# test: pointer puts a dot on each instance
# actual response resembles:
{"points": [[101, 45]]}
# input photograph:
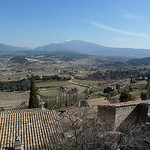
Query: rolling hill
{"points": [[140, 61]]}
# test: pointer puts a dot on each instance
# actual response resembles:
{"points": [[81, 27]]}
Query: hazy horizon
{"points": [[68, 41]]}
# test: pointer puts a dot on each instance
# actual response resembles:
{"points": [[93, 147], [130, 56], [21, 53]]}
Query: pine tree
{"points": [[33, 100]]}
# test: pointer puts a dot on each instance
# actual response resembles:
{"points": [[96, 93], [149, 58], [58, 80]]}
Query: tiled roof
{"points": [[37, 129]]}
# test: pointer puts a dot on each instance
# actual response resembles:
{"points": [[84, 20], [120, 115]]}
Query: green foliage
{"points": [[143, 95], [2, 109], [37, 77], [46, 104], [96, 76], [9, 86], [51, 78], [131, 89], [95, 89], [66, 55], [33, 100], [119, 74], [73, 90], [108, 90], [117, 86], [96, 92], [139, 61], [19, 59], [125, 96]]}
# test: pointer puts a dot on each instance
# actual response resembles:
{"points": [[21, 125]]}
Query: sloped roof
{"points": [[97, 101], [37, 129]]}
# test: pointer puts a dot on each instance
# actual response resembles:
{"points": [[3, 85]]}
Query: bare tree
{"points": [[82, 130]]}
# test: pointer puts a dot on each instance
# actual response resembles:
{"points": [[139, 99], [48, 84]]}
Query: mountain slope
{"points": [[94, 49], [140, 61], [7, 48], [75, 45]]}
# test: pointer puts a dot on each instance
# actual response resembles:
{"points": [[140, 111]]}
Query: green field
{"points": [[51, 89], [52, 83]]}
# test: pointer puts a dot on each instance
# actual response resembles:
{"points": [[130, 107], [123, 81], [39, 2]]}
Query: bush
{"points": [[125, 96], [108, 90]]}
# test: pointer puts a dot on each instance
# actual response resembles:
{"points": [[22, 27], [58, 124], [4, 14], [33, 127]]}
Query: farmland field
{"points": [[13, 98]]}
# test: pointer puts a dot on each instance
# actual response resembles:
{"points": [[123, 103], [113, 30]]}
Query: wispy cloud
{"points": [[131, 16], [102, 26]]}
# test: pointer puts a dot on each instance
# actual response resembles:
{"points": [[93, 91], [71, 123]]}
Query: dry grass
{"points": [[15, 76], [89, 82], [13, 98]]}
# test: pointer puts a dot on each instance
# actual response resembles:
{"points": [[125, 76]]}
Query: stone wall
{"points": [[106, 116], [113, 116], [122, 112]]}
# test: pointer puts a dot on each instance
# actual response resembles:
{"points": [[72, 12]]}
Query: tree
{"points": [[108, 90], [86, 95], [37, 77], [143, 96], [82, 130], [33, 100], [125, 96], [148, 88], [118, 87]]}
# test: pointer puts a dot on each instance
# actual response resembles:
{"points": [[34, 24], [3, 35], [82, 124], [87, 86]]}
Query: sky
{"points": [[113, 23]]}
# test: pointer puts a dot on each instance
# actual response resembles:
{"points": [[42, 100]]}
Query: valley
{"points": [[53, 70]]}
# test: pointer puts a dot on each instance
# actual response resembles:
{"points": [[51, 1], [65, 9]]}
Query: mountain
{"points": [[140, 61], [84, 48], [7, 48], [94, 49]]}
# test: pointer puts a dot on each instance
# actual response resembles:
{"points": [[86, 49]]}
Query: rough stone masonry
{"points": [[113, 116]]}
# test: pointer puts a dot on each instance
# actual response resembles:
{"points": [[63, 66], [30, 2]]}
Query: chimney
{"points": [[18, 145], [43, 105]]}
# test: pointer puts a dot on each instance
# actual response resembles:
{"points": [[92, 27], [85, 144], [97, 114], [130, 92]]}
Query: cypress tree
{"points": [[33, 100], [148, 88]]}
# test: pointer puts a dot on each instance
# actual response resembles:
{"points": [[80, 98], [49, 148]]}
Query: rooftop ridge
{"points": [[129, 103]]}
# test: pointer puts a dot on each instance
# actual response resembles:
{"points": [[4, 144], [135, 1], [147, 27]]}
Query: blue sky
{"points": [[114, 23]]}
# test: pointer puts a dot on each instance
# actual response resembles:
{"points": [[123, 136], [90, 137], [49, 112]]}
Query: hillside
{"points": [[66, 55], [140, 61], [8, 48], [19, 59]]}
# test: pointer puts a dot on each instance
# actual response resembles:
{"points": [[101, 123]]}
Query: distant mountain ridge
{"points": [[94, 49], [85, 48], [8, 48]]}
